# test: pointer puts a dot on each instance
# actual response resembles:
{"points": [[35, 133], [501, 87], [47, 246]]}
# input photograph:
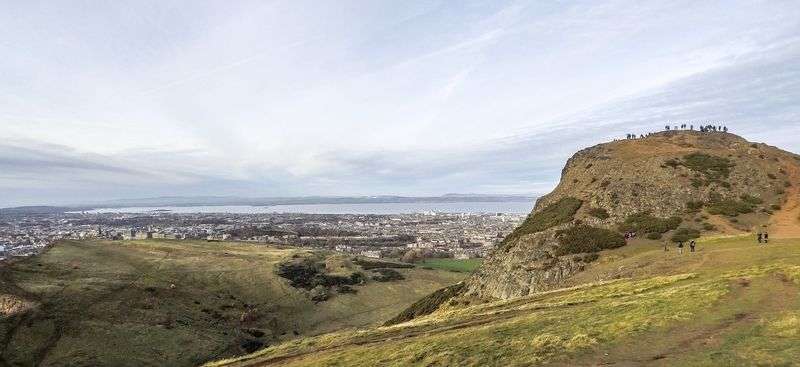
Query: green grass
{"points": [[636, 305], [463, 266], [176, 303]]}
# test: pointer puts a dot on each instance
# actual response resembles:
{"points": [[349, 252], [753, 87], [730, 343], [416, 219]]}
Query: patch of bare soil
{"points": [[786, 222]]}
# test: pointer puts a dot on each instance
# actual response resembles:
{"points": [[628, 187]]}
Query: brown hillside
{"points": [[668, 187]]}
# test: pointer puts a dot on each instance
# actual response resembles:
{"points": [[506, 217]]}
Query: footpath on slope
{"points": [[786, 222]]}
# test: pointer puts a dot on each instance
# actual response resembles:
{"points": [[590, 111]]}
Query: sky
{"points": [[110, 100]]}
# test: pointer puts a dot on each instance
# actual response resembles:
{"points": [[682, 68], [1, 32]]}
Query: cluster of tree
{"points": [[415, 255]]}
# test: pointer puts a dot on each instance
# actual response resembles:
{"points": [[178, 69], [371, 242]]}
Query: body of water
{"points": [[370, 208]]}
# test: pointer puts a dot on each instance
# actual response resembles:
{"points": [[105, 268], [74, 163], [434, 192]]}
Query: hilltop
{"points": [[669, 187]]}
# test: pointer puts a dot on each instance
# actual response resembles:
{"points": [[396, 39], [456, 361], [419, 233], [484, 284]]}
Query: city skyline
{"points": [[147, 99]]}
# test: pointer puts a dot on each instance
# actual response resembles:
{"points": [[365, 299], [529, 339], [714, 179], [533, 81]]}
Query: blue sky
{"points": [[103, 100]]}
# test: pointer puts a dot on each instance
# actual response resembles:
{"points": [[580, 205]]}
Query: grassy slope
{"points": [[463, 266], [113, 303], [731, 303]]}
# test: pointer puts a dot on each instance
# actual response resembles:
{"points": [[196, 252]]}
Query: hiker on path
{"points": [[666, 244], [759, 237], [680, 247], [766, 237], [691, 246]]}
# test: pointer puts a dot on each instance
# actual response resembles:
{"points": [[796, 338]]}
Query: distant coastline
{"points": [[173, 204]]}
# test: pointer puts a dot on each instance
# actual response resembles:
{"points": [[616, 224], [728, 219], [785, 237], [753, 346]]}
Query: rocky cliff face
{"points": [[695, 178]]}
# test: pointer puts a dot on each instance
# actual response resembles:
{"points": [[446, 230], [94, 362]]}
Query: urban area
{"points": [[409, 236]]}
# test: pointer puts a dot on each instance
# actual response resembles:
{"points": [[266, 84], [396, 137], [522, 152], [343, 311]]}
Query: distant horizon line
{"points": [[214, 200]]}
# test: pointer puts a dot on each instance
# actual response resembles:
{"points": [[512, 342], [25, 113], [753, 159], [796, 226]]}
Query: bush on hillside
{"points": [[599, 213], [386, 275], [685, 234], [751, 199], [646, 223], [583, 238], [775, 207], [709, 226], [694, 206], [730, 207], [560, 212], [713, 167]]}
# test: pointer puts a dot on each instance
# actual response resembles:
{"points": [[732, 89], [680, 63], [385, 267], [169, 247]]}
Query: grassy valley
{"points": [[181, 303]]}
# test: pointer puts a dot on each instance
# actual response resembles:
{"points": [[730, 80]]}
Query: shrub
{"points": [[654, 236], [775, 207], [599, 213], [386, 275], [560, 212], [583, 238], [590, 257], [730, 207], [646, 223], [787, 184], [685, 234], [713, 167], [694, 206], [771, 176], [752, 200], [672, 162], [709, 227]]}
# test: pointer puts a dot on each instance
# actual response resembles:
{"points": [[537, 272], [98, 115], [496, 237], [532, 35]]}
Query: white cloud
{"points": [[296, 97]]}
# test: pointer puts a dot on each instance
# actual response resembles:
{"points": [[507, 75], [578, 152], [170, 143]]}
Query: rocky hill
{"points": [[670, 186]]}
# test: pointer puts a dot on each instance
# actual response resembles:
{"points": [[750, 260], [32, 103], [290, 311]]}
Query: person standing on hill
{"points": [[680, 247], [759, 237], [766, 237], [691, 246]]}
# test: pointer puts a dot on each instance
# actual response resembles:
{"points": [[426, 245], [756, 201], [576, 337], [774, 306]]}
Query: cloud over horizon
{"points": [[112, 100]]}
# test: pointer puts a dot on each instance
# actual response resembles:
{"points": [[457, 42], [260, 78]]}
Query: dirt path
{"points": [[786, 222]]}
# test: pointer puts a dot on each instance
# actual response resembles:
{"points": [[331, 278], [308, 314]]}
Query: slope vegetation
{"points": [[179, 303], [717, 306]]}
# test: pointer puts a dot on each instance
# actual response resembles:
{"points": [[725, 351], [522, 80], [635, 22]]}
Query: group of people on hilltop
{"points": [[703, 129]]}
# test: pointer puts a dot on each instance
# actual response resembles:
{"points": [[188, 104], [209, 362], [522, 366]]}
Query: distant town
{"points": [[409, 236]]}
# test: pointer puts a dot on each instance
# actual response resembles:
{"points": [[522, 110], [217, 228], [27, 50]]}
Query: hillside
{"points": [[718, 306], [668, 187], [182, 303]]}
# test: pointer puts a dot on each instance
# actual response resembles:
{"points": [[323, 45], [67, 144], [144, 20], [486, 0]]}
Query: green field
{"points": [[732, 303], [463, 266], [175, 303]]}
